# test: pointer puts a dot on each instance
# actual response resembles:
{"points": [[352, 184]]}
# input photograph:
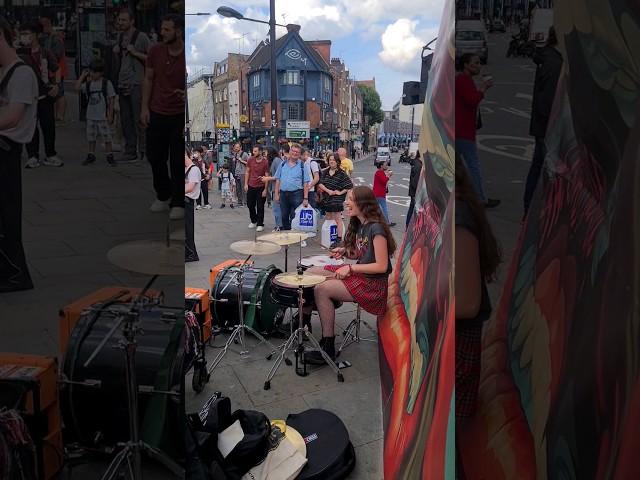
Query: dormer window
{"points": [[291, 77]]}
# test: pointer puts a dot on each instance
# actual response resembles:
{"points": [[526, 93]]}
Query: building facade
{"points": [[234, 104], [305, 89], [225, 73], [200, 107]]}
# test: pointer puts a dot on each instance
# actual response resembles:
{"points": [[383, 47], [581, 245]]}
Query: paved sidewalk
{"points": [[357, 401], [73, 216]]}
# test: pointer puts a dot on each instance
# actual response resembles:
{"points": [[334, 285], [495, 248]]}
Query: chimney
{"points": [[323, 47], [293, 28]]}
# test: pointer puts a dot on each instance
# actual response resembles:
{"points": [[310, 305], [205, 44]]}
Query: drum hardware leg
{"points": [[325, 355], [352, 333], [287, 346]]}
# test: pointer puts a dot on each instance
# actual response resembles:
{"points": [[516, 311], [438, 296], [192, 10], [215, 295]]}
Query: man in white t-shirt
{"points": [[192, 179], [314, 174], [18, 116]]}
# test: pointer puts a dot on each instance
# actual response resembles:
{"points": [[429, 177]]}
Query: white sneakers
{"points": [[252, 225], [159, 206], [176, 213], [259, 229], [54, 161], [207, 207]]}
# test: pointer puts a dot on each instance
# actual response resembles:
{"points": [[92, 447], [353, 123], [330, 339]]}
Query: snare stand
{"points": [[238, 331], [131, 454], [296, 338]]}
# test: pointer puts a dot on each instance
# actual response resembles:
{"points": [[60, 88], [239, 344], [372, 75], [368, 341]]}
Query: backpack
{"points": [[7, 78], [86, 94]]}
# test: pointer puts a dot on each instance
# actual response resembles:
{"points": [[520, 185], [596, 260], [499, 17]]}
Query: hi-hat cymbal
{"points": [[285, 238], [150, 257], [247, 247], [294, 280]]}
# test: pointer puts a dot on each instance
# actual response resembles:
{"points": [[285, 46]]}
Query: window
{"points": [[224, 93], [292, 77], [293, 111], [256, 80], [327, 83]]}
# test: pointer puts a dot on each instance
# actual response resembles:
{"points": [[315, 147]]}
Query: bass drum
{"points": [[260, 312], [98, 415]]}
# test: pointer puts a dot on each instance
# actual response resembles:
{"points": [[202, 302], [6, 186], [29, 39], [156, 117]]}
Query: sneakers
{"points": [[207, 207], [110, 160], [277, 229], [231, 206], [316, 358], [260, 228], [159, 206], [491, 203], [252, 225], [198, 207], [89, 160], [176, 213], [128, 158], [52, 162], [33, 162], [222, 206]]}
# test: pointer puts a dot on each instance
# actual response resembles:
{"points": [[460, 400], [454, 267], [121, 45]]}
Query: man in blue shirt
{"points": [[292, 185]]}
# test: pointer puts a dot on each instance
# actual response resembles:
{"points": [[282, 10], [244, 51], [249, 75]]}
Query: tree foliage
{"points": [[372, 106]]}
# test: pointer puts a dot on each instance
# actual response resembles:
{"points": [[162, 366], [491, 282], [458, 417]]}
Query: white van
{"points": [[471, 37], [383, 155]]}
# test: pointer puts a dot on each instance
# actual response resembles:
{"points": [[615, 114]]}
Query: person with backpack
{"points": [[47, 71], [228, 185], [131, 51], [100, 99], [53, 42], [192, 179], [18, 116]]}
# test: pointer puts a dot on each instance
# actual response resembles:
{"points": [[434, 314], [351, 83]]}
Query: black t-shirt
{"points": [[465, 219], [364, 247]]}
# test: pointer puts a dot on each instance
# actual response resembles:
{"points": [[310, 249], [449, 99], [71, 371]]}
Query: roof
{"points": [[261, 57]]}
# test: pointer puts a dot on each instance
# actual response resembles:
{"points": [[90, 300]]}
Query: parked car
{"points": [[471, 37]]}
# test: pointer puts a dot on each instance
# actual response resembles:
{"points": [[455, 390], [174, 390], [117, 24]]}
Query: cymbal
{"points": [[285, 238], [247, 247], [149, 257], [295, 280]]}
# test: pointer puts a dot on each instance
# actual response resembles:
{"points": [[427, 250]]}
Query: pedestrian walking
{"points": [[131, 52], [292, 185], [255, 188], [228, 185], [192, 179], [468, 98], [238, 168], [549, 65], [163, 102], [47, 69], [19, 91], [199, 158], [100, 105], [414, 177], [334, 185], [380, 189]]}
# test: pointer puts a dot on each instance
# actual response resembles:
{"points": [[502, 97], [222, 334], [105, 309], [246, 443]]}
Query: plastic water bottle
{"points": [[329, 233]]}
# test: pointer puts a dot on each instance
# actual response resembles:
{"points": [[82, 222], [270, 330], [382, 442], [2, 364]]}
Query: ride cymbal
{"points": [[284, 238], [149, 257], [294, 280], [247, 247]]}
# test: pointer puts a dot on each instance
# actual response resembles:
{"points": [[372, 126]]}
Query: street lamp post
{"points": [[186, 109], [231, 13], [413, 111]]}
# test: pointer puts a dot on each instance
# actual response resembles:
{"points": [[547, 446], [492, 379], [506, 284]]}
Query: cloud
{"points": [[402, 44]]}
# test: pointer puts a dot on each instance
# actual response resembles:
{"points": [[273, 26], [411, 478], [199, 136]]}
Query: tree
{"points": [[372, 106]]}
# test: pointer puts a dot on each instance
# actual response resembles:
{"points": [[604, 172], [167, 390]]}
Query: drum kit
{"points": [[285, 290]]}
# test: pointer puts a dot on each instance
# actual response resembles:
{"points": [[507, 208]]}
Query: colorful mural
{"points": [[560, 385], [417, 337]]}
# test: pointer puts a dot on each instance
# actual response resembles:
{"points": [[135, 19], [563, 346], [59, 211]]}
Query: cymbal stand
{"points": [[296, 339], [239, 330], [131, 454]]}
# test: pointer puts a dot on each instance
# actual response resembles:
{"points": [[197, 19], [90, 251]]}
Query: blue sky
{"points": [[375, 38]]}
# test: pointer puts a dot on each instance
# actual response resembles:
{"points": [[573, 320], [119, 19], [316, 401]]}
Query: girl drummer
{"points": [[369, 241]]}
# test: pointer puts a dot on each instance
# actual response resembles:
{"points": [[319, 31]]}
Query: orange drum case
{"points": [[200, 297]]}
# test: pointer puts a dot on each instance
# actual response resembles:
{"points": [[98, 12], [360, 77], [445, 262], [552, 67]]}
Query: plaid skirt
{"points": [[369, 293], [468, 352]]}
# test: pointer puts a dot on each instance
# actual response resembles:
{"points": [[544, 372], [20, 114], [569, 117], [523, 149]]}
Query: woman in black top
{"points": [[334, 184]]}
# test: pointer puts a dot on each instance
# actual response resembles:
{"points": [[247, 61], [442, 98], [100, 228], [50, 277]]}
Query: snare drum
{"points": [[320, 261]]}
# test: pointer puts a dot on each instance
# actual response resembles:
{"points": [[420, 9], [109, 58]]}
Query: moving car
{"points": [[471, 37], [497, 25], [383, 155]]}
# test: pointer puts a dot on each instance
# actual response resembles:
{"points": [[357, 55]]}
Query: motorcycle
{"points": [[520, 48]]}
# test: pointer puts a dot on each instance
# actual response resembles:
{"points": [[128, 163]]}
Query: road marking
{"points": [[525, 145], [526, 96], [398, 200], [406, 179], [516, 112]]}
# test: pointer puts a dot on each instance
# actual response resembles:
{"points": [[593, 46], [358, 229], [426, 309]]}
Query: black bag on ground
{"points": [[330, 454], [251, 450]]}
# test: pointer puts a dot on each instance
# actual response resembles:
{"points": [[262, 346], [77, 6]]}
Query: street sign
{"points": [[298, 129]]}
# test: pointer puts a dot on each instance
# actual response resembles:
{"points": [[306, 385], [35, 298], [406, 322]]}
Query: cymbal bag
{"points": [[330, 453]]}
